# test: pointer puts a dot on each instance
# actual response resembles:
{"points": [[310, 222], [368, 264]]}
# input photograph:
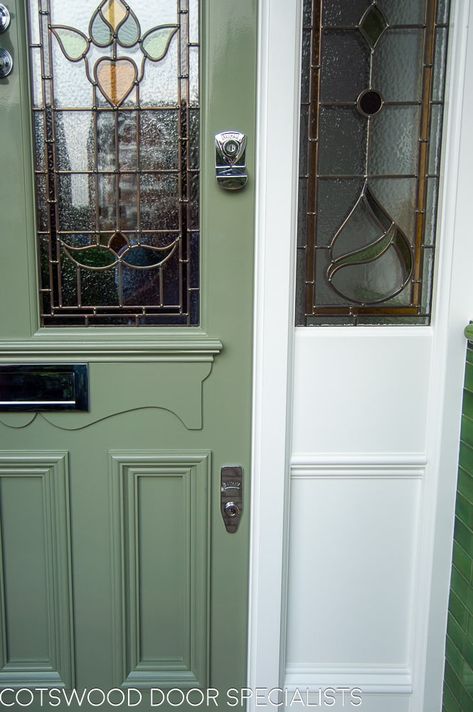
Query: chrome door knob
{"points": [[5, 18], [6, 63]]}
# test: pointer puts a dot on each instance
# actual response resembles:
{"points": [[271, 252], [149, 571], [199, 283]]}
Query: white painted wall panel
{"points": [[361, 389], [352, 549]]}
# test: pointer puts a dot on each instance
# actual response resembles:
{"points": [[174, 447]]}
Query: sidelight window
{"points": [[372, 96]]}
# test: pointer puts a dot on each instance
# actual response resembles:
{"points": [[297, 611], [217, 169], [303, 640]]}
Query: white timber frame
{"points": [[277, 174], [275, 236], [453, 309]]}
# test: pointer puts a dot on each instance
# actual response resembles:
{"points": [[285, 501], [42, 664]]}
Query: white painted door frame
{"points": [[278, 130], [276, 210], [453, 309]]}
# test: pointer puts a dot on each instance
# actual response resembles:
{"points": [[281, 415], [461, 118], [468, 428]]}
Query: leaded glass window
{"points": [[372, 97], [115, 96]]}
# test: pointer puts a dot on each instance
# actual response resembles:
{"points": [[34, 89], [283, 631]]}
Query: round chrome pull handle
{"points": [[5, 18], [6, 63], [232, 510]]}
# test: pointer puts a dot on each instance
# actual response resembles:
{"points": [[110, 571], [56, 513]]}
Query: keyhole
{"points": [[231, 509]]}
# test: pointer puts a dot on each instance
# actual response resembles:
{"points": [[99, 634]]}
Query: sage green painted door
{"points": [[116, 570]]}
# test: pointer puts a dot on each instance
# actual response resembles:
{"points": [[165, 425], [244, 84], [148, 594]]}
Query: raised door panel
{"points": [[35, 570], [160, 530]]}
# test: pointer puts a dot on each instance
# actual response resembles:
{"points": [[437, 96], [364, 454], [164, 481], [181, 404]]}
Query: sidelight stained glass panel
{"points": [[115, 98], [372, 93]]}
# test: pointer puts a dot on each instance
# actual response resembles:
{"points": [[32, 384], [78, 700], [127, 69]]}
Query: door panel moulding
{"points": [[37, 481], [176, 483], [358, 466], [370, 679]]}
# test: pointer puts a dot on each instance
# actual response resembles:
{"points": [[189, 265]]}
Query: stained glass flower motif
{"points": [[114, 24], [118, 249]]}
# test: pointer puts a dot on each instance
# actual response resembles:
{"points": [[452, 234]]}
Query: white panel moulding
{"points": [[371, 702], [368, 678], [358, 466]]}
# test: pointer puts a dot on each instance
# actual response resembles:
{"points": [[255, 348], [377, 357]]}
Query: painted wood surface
{"points": [[157, 589]]}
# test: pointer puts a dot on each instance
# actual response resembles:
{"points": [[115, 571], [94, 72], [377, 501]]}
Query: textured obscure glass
{"points": [[115, 94], [372, 86], [336, 157], [345, 71], [396, 69]]}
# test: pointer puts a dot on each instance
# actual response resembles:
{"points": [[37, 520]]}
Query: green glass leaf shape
{"points": [[73, 43], [156, 41], [100, 32], [372, 25], [371, 257], [364, 255], [95, 257], [129, 32], [373, 283]]}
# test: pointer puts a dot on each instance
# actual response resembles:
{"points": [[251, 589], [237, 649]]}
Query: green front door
{"points": [[116, 569]]}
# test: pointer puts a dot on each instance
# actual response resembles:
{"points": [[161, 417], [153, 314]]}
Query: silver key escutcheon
{"points": [[230, 160], [231, 496]]}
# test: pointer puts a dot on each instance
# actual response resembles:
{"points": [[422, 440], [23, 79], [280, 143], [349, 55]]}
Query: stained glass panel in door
{"points": [[115, 99]]}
